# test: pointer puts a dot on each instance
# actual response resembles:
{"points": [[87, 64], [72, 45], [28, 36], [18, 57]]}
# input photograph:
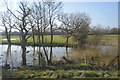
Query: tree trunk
{"points": [[85, 58], [24, 55], [39, 41], [33, 36], [38, 32], [50, 61], [42, 38], [33, 55], [7, 35], [8, 53], [67, 41], [46, 54], [39, 58], [66, 51], [24, 50]]}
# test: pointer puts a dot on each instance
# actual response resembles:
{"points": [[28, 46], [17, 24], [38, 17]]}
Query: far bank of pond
{"points": [[60, 40]]}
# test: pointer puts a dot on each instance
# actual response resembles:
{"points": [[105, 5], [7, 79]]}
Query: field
{"points": [[60, 39]]}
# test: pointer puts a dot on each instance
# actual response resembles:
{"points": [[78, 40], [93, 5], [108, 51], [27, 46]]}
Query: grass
{"points": [[56, 39], [61, 39], [104, 39], [59, 74], [66, 71], [72, 71]]}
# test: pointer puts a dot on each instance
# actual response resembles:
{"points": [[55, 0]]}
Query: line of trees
{"points": [[39, 17], [99, 29]]}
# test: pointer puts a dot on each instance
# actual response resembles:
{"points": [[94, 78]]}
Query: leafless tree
{"points": [[7, 23], [22, 25], [67, 25], [32, 25], [39, 19], [81, 27], [45, 15], [37, 15], [52, 9], [76, 25]]}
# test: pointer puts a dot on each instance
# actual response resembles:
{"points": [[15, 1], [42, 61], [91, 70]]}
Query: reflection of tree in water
{"points": [[41, 58], [34, 55], [9, 57], [67, 54]]}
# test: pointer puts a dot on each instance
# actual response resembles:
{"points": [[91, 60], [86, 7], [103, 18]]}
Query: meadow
{"points": [[60, 39]]}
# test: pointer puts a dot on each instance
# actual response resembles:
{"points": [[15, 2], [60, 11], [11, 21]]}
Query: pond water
{"points": [[14, 58]]}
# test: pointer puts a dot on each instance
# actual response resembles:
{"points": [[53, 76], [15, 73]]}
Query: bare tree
{"points": [[45, 15], [22, 25], [7, 23], [32, 24], [52, 9], [67, 25], [44, 25], [81, 27], [37, 15], [76, 25], [39, 20]]}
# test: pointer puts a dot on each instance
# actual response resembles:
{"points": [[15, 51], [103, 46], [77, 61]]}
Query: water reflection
{"points": [[11, 54], [99, 55]]}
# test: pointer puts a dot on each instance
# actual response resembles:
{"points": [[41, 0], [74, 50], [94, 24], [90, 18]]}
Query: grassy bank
{"points": [[72, 71], [61, 40], [60, 74], [66, 72]]}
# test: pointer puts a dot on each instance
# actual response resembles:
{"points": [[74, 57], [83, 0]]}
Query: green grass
{"points": [[59, 74], [59, 39], [104, 39], [56, 39], [62, 71]]}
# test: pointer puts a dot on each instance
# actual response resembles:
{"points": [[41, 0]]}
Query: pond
{"points": [[14, 58]]}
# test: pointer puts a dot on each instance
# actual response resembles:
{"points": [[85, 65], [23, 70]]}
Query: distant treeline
{"points": [[92, 31]]}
